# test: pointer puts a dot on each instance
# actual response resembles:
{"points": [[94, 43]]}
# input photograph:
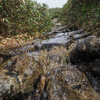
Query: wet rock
{"points": [[63, 82], [78, 36], [96, 67], [58, 54], [57, 35], [94, 81], [75, 89], [58, 24], [80, 31], [62, 39], [17, 76], [58, 40], [60, 29], [1, 60], [49, 64], [53, 58], [17, 50], [46, 74], [87, 50], [73, 28], [86, 55]]}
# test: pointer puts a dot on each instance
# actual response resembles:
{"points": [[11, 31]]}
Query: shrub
{"points": [[23, 17], [81, 13], [54, 12]]}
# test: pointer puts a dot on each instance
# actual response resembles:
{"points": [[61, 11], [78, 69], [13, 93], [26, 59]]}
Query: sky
{"points": [[52, 3]]}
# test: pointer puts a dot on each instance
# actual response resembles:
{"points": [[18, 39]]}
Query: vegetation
{"points": [[82, 13], [21, 16], [54, 12], [26, 16]]}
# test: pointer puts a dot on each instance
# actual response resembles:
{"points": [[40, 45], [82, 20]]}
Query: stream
{"points": [[65, 66]]}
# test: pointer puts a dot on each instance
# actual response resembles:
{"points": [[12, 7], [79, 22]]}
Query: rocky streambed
{"points": [[66, 66]]}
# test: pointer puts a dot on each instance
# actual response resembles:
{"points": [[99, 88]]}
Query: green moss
{"points": [[90, 33]]}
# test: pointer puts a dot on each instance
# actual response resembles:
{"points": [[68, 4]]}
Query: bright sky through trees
{"points": [[53, 3]]}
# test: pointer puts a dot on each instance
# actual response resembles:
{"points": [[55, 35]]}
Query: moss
{"points": [[90, 33]]}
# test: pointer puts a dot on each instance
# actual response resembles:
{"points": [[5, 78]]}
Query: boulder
{"points": [[86, 55], [20, 73], [95, 68], [46, 73], [87, 50], [17, 76], [68, 83], [63, 82]]}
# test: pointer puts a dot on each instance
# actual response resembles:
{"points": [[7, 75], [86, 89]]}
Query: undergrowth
{"points": [[81, 13]]}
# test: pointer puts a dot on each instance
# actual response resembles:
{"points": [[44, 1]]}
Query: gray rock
{"points": [[86, 50], [17, 76], [86, 55]]}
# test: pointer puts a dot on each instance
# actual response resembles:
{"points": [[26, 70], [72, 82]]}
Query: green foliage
{"points": [[54, 12], [19, 16], [81, 13], [90, 33]]}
